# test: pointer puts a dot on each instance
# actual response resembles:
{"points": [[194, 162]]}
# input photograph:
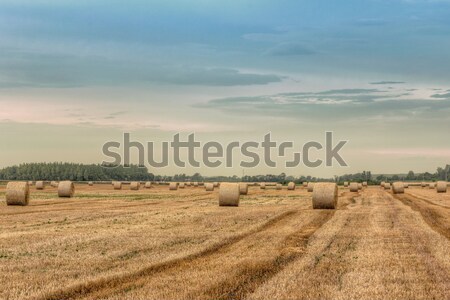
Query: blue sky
{"points": [[235, 69]]}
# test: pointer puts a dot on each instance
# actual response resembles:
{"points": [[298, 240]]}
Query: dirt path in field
{"points": [[378, 248], [437, 216]]}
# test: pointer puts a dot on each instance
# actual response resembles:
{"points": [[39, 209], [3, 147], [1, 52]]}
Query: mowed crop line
{"points": [[83, 289], [419, 197], [376, 249], [436, 216]]}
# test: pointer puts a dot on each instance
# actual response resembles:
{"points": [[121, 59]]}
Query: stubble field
{"points": [[161, 244]]}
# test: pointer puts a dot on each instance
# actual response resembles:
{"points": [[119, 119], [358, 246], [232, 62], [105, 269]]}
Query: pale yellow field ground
{"points": [[160, 244]]}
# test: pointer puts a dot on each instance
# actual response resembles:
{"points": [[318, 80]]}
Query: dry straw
{"points": [[305, 184], [209, 187], [387, 186], [431, 185], [405, 185], [353, 187], [173, 186], [364, 183], [17, 193], [148, 185], [398, 187], [310, 187], [360, 186], [66, 189], [278, 186], [345, 183], [181, 185], [117, 185], [195, 184], [382, 184], [216, 184], [441, 187], [135, 186], [262, 185], [30, 183], [229, 194], [291, 186], [40, 185], [423, 184], [243, 188], [90, 183], [325, 195], [188, 183]]}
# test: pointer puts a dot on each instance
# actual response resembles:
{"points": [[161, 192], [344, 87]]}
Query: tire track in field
{"points": [[122, 281], [252, 275], [435, 216]]}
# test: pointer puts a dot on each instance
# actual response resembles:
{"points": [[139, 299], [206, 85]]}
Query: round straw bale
{"points": [[387, 186], [117, 185], [431, 185], [310, 187], [209, 187], [382, 184], [441, 187], [291, 186], [188, 183], [262, 185], [17, 193], [405, 185], [243, 188], [195, 184], [135, 186], [305, 184], [66, 189], [360, 186], [181, 185], [364, 183], [148, 185], [278, 186], [30, 183], [325, 195], [345, 183], [398, 187], [90, 183], [423, 184], [229, 194], [54, 184], [40, 185], [216, 184], [353, 187], [173, 186]]}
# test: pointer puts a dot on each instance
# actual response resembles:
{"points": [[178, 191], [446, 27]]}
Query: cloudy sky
{"points": [[76, 74]]}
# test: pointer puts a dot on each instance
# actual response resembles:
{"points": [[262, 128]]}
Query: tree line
{"points": [[75, 172], [105, 172]]}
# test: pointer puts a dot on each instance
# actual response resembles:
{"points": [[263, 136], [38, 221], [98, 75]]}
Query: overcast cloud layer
{"points": [[375, 72]]}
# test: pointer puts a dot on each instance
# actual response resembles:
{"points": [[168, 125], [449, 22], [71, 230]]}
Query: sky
{"points": [[77, 74]]}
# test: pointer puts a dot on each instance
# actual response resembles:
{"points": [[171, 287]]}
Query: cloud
{"points": [[441, 96], [387, 82], [289, 49], [56, 70]]}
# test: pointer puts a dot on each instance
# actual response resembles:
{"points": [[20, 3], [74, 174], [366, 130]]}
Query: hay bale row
{"points": [[243, 188], [229, 194], [441, 187], [325, 195], [291, 186], [398, 187], [66, 189], [209, 187], [17, 193], [354, 187]]}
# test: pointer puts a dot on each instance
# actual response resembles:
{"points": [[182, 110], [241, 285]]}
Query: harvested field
{"points": [[160, 244]]}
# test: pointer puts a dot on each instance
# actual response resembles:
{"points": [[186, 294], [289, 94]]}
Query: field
{"points": [[161, 244]]}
